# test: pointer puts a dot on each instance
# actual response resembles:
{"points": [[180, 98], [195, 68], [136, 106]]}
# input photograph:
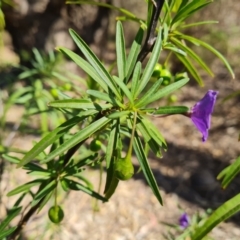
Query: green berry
{"points": [[167, 76], [54, 92], [124, 169], [157, 71], [172, 98], [95, 145], [67, 86], [56, 214]]}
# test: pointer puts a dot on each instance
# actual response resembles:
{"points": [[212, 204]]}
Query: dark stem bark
{"points": [[151, 32]]}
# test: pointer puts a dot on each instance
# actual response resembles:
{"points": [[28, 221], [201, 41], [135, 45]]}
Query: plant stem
{"points": [[151, 35]]}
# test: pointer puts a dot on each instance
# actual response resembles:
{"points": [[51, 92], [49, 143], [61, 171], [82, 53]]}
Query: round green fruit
{"points": [[95, 145], [172, 98], [124, 169], [166, 75], [54, 92], [67, 86], [157, 71], [56, 214]]}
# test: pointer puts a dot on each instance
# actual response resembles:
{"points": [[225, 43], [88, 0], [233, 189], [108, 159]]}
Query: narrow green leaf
{"points": [[124, 88], [25, 187], [44, 192], [173, 48], [193, 71], [105, 97], [80, 187], [197, 24], [45, 200], [225, 211], [78, 137], [138, 148], [79, 104], [163, 92], [12, 213], [192, 54], [147, 73], [95, 62], [150, 92], [229, 173], [154, 132], [171, 110], [7, 232], [211, 49], [49, 139], [112, 141], [136, 79], [121, 53], [149, 140], [101, 4], [85, 66], [189, 9], [133, 54]]}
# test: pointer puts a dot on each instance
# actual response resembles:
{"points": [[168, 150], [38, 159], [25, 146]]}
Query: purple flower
{"points": [[201, 113], [184, 220]]}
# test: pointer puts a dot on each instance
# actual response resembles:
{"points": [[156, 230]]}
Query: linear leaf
{"points": [[112, 141], [105, 97], [133, 54], [95, 62], [12, 213], [188, 9], [150, 92], [163, 92], [229, 173], [171, 110], [212, 49], [121, 53], [225, 211], [154, 132], [138, 148], [79, 104], [25, 187], [7, 232], [193, 55], [147, 73], [85, 66], [124, 88], [80, 187], [136, 79], [49, 139], [193, 71], [44, 192], [149, 140], [78, 137]]}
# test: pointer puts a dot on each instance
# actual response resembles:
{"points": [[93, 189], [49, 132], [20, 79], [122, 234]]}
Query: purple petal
{"points": [[201, 113], [184, 220]]}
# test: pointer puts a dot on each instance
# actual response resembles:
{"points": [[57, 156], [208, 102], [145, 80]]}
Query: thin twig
{"points": [[151, 32]]}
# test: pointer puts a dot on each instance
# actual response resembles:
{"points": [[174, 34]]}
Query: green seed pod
{"points": [[167, 76], [54, 92], [124, 169], [67, 86], [95, 145], [172, 98], [180, 76], [56, 214], [157, 71]]}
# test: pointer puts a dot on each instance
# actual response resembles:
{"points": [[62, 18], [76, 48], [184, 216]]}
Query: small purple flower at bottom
{"points": [[201, 113], [184, 220]]}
